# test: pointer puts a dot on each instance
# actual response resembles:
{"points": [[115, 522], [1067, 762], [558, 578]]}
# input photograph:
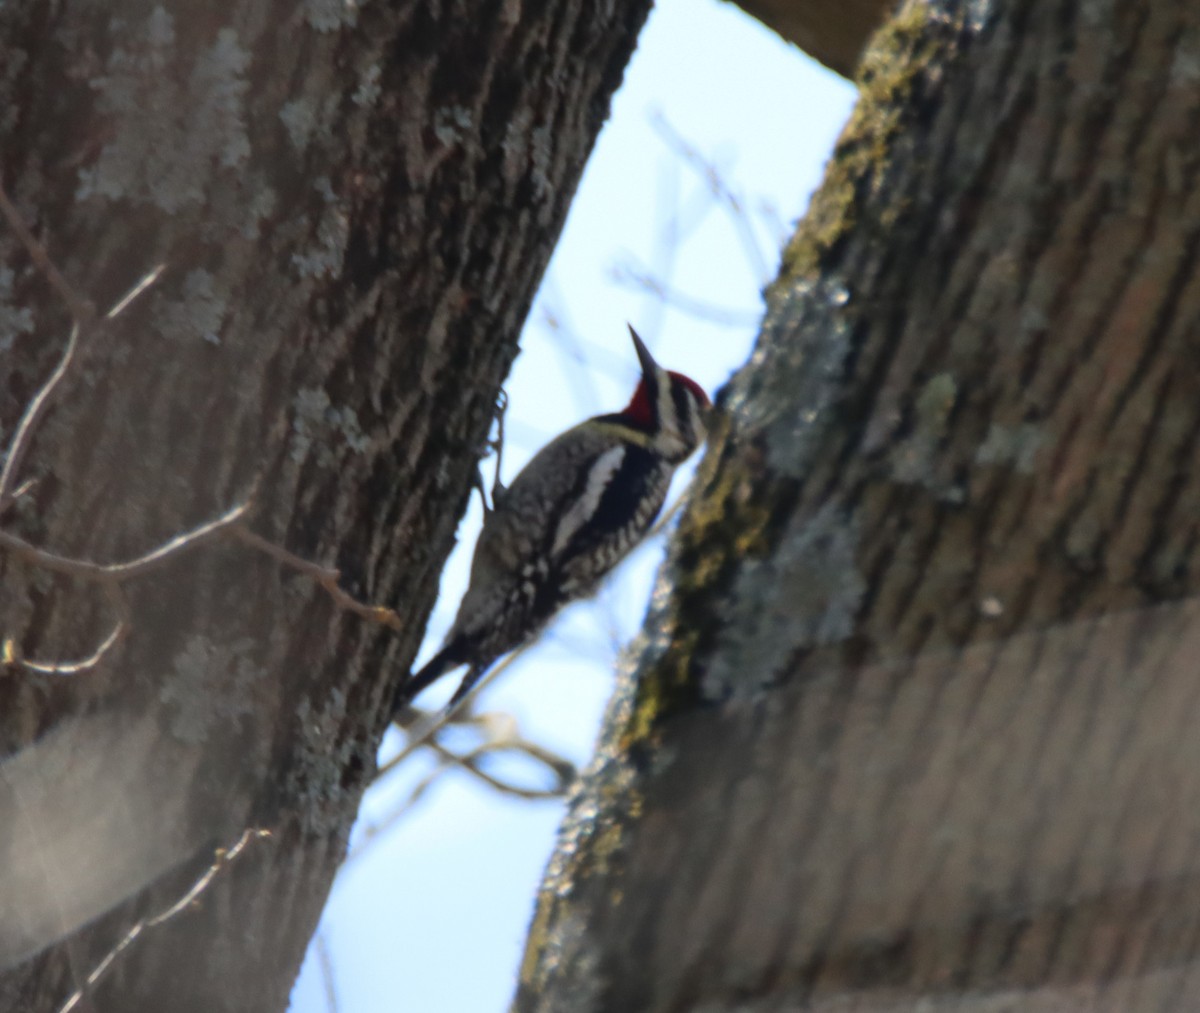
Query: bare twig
{"points": [[496, 446], [143, 283], [221, 860], [41, 400], [577, 362], [112, 575], [562, 769], [508, 739], [104, 573], [634, 277], [81, 310], [502, 735], [326, 577], [10, 653], [11, 656], [427, 727], [23, 488], [83, 314], [327, 978], [29, 420], [713, 177]]}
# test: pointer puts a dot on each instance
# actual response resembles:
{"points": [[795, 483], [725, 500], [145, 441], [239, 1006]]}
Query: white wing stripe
{"points": [[583, 509]]}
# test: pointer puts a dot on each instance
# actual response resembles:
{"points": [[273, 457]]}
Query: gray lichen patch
{"points": [[199, 314], [453, 124], [369, 87], [304, 118], [315, 779], [806, 595], [210, 684], [171, 134], [330, 15], [318, 426], [787, 392], [913, 459], [14, 320], [324, 258], [935, 402], [1016, 446]]}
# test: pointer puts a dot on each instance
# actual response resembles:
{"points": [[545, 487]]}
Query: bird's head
{"points": [[670, 408]]}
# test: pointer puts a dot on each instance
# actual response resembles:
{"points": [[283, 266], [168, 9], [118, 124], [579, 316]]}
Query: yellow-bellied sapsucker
{"points": [[571, 514]]}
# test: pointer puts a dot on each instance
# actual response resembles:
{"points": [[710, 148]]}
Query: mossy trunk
{"points": [[916, 711], [354, 204]]}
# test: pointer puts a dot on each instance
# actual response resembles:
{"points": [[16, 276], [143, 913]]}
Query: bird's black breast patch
{"points": [[626, 508]]}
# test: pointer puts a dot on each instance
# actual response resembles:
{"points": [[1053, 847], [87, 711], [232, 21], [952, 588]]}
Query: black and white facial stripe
{"points": [[675, 410]]}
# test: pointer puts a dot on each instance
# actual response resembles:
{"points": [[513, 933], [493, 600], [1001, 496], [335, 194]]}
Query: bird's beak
{"points": [[650, 368]]}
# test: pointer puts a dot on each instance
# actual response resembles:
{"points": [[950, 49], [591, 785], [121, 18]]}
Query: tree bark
{"points": [[354, 204], [914, 716], [833, 32]]}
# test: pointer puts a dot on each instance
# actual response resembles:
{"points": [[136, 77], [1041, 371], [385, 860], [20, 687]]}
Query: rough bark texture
{"points": [[355, 204], [835, 32], [916, 714]]}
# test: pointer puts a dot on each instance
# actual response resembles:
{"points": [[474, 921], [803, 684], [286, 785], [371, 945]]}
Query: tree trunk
{"points": [[354, 204], [918, 715], [835, 32]]}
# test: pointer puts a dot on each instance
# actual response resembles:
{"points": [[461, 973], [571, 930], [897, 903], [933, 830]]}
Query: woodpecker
{"points": [[571, 514]]}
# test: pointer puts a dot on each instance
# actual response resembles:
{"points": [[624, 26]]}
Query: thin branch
{"points": [[102, 573], [221, 860], [422, 729], [178, 545], [634, 277], [577, 363], [111, 575], [10, 655], [326, 577], [83, 315], [711, 174], [562, 770], [122, 304], [325, 958], [373, 831], [10, 651], [427, 727], [30, 419], [82, 311], [23, 488]]}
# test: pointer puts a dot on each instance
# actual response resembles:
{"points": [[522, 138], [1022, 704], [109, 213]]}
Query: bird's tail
{"points": [[437, 666], [474, 673]]}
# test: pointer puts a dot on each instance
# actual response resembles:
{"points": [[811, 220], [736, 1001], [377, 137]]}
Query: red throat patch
{"points": [[638, 411]]}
